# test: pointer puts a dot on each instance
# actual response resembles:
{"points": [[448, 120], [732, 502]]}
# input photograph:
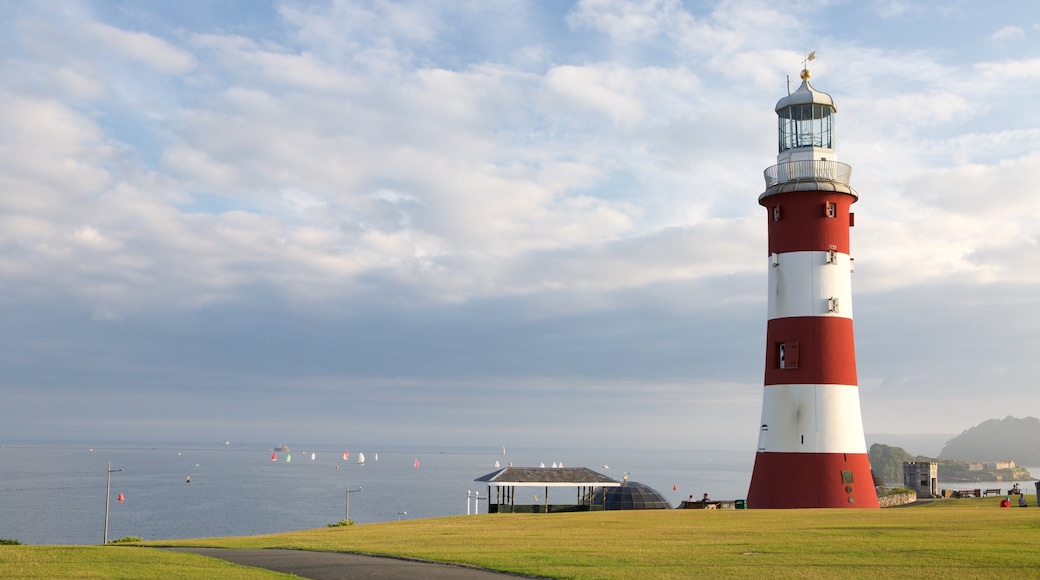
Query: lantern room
{"points": [[805, 122]]}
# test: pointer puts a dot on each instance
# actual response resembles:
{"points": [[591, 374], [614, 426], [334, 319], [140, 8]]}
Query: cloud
{"points": [[893, 8], [1008, 33], [626, 21], [514, 206], [1011, 70], [623, 94], [155, 53]]}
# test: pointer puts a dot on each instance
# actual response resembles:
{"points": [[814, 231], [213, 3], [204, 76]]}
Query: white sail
{"points": [[377, 457], [361, 458], [312, 457], [497, 465]]}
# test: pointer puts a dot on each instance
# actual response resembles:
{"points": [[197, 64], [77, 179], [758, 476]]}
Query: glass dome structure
{"points": [[631, 495]]}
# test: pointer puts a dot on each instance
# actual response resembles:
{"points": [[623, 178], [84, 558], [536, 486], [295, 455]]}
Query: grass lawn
{"points": [[946, 539], [51, 562]]}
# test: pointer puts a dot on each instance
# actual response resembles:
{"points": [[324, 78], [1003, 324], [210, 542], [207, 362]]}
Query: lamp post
{"points": [[108, 497], [399, 514], [350, 491]]}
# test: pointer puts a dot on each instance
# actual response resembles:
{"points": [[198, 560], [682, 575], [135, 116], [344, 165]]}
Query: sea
{"points": [[55, 493]]}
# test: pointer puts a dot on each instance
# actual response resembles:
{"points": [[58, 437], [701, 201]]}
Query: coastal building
{"points": [[922, 477], [811, 449]]}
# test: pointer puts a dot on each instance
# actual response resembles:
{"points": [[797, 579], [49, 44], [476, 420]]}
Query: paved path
{"points": [[337, 565]]}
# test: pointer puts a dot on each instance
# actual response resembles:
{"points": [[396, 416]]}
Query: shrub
{"points": [[126, 539], [341, 523], [9, 542]]}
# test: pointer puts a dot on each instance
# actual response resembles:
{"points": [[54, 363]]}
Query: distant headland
{"points": [[994, 450]]}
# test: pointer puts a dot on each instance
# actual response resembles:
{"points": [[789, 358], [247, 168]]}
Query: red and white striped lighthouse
{"points": [[811, 448]]}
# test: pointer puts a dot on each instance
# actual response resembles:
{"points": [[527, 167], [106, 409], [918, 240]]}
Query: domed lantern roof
{"points": [[806, 94]]}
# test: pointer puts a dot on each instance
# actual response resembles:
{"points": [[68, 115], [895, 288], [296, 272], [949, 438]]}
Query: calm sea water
{"points": [[55, 494]]}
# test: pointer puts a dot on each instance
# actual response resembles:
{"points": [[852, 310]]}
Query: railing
{"points": [[808, 171]]}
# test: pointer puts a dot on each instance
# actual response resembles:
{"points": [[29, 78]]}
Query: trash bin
{"points": [[741, 504], [1037, 484]]}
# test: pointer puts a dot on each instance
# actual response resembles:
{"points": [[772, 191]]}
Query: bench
{"points": [[963, 493], [701, 505], [995, 491]]}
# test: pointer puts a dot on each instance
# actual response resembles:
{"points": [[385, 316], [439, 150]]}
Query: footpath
{"points": [[338, 565]]}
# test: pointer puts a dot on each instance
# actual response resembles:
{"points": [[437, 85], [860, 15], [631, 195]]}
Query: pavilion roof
{"points": [[547, 477]]}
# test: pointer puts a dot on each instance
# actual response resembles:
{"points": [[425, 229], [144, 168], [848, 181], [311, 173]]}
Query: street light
{"points": [[399, 514], [108, 496], [350, 491]]}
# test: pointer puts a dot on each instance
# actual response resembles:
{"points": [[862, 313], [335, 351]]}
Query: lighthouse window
{"points": [[787, 355], [831, 210], [806, 126]]}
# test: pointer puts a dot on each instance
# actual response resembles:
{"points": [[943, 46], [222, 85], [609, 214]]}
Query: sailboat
{"points": [[497, 465], [417, 463], [346, 454], [288, 457], [361, 458], [312, 456], [274, 457], [377, 457]]}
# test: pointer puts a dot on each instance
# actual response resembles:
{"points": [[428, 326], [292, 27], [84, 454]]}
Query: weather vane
{"points": [[805, 65]]}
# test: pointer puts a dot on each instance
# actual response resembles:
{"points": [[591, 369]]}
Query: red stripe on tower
{"points": [[811, 448]]}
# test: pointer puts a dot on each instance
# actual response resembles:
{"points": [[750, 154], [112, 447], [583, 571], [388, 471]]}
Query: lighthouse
{"points": [[811, 449]]}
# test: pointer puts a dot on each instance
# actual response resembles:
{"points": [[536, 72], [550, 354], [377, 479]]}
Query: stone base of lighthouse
{"points": [[812, 480]]}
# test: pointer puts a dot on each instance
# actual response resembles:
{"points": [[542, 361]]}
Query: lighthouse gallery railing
{"points": [[808, 171]]}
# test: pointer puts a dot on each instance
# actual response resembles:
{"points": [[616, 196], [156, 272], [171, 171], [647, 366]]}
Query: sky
{"points": [[491, 223]]}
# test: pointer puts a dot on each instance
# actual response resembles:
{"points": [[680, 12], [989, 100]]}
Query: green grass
{"points": [[948, 539], [118, 562]]}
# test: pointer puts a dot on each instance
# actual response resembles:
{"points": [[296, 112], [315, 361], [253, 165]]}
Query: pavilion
{"points": [[506, 480]]}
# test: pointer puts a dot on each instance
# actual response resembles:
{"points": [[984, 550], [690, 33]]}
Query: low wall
{"points": [[894, 499]]}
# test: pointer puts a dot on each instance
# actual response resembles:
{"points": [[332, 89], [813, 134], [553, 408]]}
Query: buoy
{"points": [[120, 498], [675, 488]]}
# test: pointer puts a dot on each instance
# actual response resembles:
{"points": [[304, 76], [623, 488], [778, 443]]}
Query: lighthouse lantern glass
{"points": [[809, 125]]}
